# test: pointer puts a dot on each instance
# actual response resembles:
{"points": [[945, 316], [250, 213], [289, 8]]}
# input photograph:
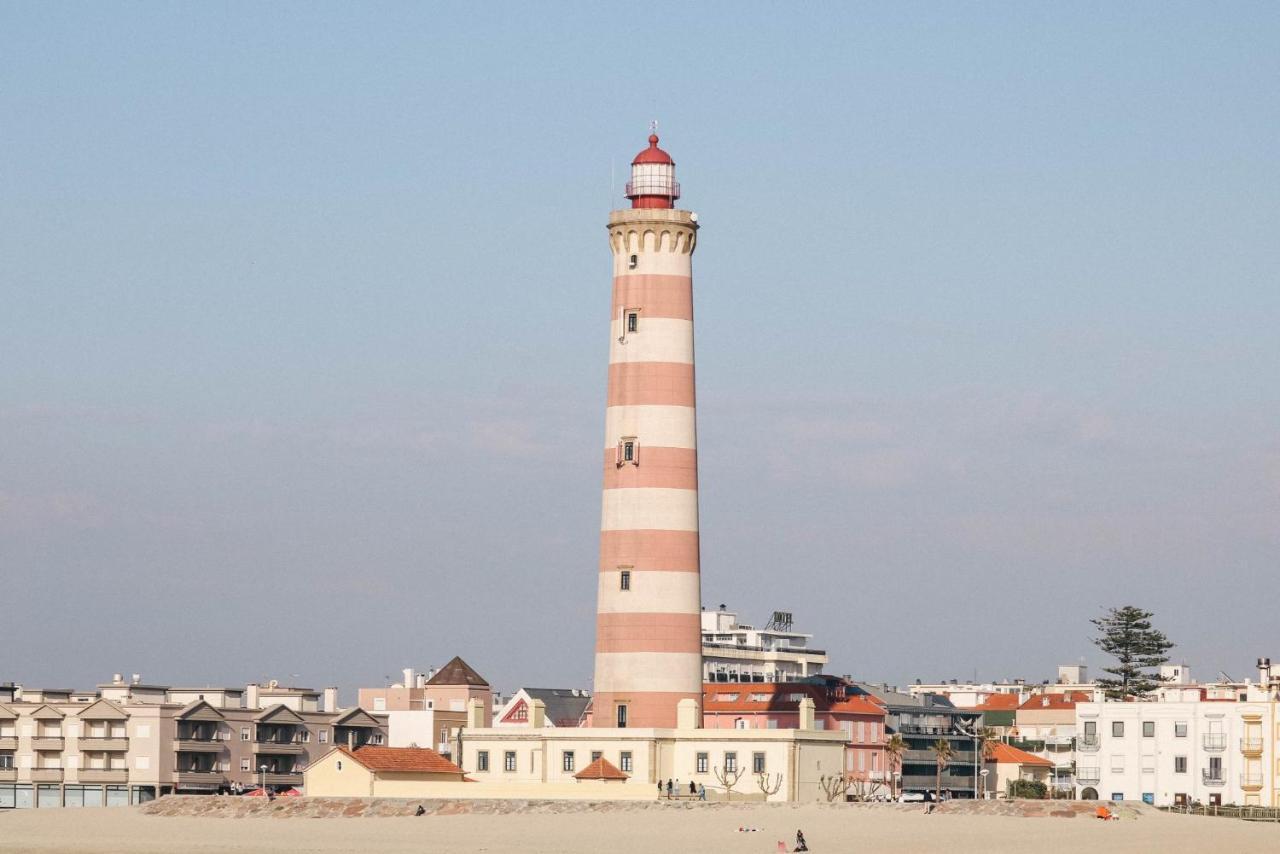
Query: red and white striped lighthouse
{"points": [[648, 631]]}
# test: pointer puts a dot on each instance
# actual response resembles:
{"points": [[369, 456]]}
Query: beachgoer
{"points": [[693, 788], [659, 788], [800, 844], [670, 787], [421, 810], [702, 792]]}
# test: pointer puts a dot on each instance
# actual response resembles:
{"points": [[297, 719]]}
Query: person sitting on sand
{"points": [[800, 844]]}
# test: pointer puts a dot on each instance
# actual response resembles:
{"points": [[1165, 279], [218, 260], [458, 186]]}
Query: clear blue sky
{"points": [[303, 321]]}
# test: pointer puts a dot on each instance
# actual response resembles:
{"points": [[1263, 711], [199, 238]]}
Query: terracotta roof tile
{"points": [[601, 769], [407, 759], [777, 697], [1054, 701], [998, 751], [998, 703]]}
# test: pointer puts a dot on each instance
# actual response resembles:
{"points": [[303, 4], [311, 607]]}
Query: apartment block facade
{"points": [[127, 742]]}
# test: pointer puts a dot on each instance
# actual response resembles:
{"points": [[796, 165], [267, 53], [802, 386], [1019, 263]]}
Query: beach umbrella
{"points": [[256, 793], [290, 793]]}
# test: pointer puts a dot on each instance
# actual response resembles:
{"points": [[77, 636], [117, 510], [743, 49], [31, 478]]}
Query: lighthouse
{"points": [[648, 625]]}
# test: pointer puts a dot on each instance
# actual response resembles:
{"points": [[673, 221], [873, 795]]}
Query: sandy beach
{"points": [[128, 831]]}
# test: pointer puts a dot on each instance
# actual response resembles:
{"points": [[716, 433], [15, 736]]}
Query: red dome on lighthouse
{"points": [[653, 178], [653, 154]]}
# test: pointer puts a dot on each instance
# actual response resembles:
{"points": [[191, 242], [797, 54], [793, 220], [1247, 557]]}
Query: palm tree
{"points": [[893, 750], [986, 740], [942, 748]]}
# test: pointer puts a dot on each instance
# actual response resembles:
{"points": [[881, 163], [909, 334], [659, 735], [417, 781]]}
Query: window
{"points": [[323, 735], [566, 760], [624, 579], [1179, 764], [306, 736], [482, 760], [376, 738], [628, 451], [1148, 729], [595, 754], [1180, 729], [509, 761], [1117, 729], [730, 762], [1090, 727], [757, 763], [702, 763], [740, 723], [244, 734], [6, 761], [622, 715], [624, 761], [631, 264], [379, 704], [633, 321], [1117, 796], [244, 764]]}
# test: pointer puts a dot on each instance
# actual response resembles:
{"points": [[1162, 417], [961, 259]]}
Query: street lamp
{"points": [[262, 770]]}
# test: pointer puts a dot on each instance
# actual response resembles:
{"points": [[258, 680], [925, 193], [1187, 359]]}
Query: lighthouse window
{"points": [[624, 579], [633, 320], [635, 259], [622, 716], [628, 452]]}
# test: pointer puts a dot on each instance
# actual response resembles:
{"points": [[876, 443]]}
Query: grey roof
{"points": [[563, 708]]}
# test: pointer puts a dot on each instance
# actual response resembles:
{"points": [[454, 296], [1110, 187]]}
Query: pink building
{"points": [[776, 705]]}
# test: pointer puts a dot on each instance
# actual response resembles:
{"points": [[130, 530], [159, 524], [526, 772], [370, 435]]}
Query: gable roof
{"points": [[47, 713], [279, 713], [458, 672], [103, 710], [355, 717], [402, 760], [998, 703], [563, 708], [601, 769], [199, 710], [998, 751], [6, 713]]}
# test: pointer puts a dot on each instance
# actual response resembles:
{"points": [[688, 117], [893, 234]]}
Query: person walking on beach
{"points": [[702, 792], [693, 788], [659, 788], [800, 843], [670, 787]]}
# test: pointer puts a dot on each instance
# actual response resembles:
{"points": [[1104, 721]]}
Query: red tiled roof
{"points": [[1052, 702], [405, 759], [998, 703], [998, 751], [776, 697], [601, 769]]}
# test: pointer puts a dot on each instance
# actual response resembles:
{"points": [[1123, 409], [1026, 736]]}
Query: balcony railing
{"points": [[1089, 743], [103, 775], [46, 775], [1088, 776], [281, 778], [8, 775], [1214, 741], [47, 742], [1251, 781], [268, 745], [1251, 746], [110, 743], [8, 742], [197, 745], [1212, 778]]}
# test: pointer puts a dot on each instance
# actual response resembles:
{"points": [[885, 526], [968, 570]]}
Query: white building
{"points": [[737, 652], [1180, 749]]}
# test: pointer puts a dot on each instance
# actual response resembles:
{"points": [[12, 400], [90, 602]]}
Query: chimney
{"points": [[251, 695], [1264, 671], [117, 679], [475, 715], [330, 700], [420, 681], [806, 714], [408, 677], [687, 714], [537, 714], [137, 678]]}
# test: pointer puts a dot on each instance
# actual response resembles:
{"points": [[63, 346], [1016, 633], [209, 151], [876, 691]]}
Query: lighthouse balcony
{"points": [[653, 185]]}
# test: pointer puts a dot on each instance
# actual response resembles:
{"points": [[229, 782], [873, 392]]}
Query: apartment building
{"points": [[129, 742], [1045, 726], [1181, 749], [923, 721], [738, 652], [838, 707]]}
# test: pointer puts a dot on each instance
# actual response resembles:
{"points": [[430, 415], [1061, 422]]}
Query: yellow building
{"points": [[379, 772]]}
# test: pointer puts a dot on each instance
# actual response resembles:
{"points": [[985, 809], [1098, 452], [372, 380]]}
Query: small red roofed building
{"points": [[386, 772], [838, 706], [999, 711], [562, 707], [602, 770], [1006, 764], [1045, 725]]}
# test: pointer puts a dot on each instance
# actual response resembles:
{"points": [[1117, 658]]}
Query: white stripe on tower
{"points": [[648, 633]]}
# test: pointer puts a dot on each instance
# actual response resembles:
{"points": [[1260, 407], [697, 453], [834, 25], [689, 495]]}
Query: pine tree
{"points": [[1137, 647]]}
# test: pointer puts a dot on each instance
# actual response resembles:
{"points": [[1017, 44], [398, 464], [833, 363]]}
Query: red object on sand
{"points": [[289, 793]]}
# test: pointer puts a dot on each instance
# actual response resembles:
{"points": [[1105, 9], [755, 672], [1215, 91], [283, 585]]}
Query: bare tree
{"points": [[834, 786], [769, 785], [864, 790], [728, 778]]}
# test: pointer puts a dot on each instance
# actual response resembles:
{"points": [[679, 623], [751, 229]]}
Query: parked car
{"points": [[911, 797]]}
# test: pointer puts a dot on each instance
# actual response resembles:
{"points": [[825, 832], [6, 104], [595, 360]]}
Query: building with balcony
{"points": [[1177, 750], [130, 742], [922, 721], [737, 652]]}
